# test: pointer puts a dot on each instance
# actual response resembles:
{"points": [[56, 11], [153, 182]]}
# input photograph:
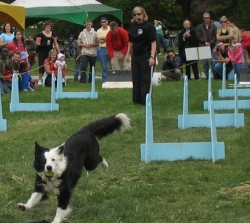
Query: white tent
{"points": [[75, 11]]}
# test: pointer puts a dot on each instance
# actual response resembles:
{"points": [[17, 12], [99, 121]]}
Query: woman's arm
{"points": [[38, 41], [153, 52], [47, 68], [2, 43], [56, 44]]}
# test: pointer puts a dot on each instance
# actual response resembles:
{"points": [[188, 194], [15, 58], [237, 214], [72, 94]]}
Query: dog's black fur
{"points": [[81, 151]]}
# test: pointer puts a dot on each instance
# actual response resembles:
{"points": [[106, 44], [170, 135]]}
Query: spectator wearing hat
{"points": [[25, 82], [87, 39], [60, 62], [103, 52], [7, 36], [224, 33], [24, 57], [117, 45]]}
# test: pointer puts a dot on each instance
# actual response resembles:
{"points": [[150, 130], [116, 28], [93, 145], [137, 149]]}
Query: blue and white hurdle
{"points": [[16, 105], [60, 94], [151, 151], [234, 104], [187, 120], [224, 92], [3, 122]]}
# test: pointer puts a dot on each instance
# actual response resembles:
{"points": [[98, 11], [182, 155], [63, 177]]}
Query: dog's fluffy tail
{"points": [[103, 127]]}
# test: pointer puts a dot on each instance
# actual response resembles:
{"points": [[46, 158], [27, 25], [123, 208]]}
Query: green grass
{"points": [[130, 191]]}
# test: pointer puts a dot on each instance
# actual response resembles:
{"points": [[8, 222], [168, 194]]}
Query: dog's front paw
{"points": [[104, 164], [22, 207]]}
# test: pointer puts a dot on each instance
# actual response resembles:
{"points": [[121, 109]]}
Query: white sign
{"points": [[198, 53]]}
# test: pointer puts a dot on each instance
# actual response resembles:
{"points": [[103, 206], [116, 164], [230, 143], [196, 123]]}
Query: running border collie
{"points": [[59, 169]]}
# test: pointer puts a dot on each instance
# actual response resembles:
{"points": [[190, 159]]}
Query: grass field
{"points": [[130, 191]]}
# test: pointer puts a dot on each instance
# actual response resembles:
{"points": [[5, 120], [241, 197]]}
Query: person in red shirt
{"points": [[117, 45]]}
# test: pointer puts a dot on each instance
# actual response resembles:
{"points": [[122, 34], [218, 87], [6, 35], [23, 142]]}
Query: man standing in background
{"points": [[206, 36], [88, 41], [103, 53]]}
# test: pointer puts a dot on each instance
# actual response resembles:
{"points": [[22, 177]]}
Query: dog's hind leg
{"points": [[61, 214], [35, 198], [104, 164]]}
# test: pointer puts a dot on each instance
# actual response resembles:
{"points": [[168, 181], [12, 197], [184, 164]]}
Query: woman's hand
{"points": [[151, 61]]}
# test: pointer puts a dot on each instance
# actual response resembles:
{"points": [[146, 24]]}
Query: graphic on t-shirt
{"points": [[140, 31]]}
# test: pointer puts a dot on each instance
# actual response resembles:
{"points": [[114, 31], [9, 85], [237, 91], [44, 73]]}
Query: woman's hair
{"points": [[50, 52], [22, 39], [142, 10], [47, 24], [22, 67], [11, 28]]}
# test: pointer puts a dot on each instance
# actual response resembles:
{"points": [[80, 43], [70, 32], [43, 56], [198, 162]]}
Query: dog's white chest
{"points": [[52, 186]]}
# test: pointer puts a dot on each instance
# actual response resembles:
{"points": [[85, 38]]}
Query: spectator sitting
{"points": [[225, 33], [172, 66], [49, 66], [60, 62], [24, 57], [8, 73], [18, 43], [25, 82], [222, 57], [5, 87]]}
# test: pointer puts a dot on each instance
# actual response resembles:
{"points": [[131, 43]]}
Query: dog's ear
{"points": [[60, 149], [38, 148]]}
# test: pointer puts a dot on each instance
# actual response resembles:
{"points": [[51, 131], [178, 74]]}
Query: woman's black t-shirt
{"points": [[142, 35], [46, 43]]}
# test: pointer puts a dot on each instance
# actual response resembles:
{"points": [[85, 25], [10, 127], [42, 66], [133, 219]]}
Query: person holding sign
{"points": [[206, 35], [187, 39]]}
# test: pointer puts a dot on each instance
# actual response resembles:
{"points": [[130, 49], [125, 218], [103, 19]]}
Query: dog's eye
{"points": [[53, 159]]}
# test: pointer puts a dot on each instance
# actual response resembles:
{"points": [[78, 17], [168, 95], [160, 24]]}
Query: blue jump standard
{"points": [[151, 151], [228, 104], [187, 120], [16, 105], [60, 94], [224, 92], [3, 122]]}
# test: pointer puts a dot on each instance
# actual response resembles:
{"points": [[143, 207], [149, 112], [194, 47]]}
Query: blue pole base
{"points": [[3, 125], [34, 107], [203, 120], [231, 92], [91, 95], [228, 104], [182, 151]]}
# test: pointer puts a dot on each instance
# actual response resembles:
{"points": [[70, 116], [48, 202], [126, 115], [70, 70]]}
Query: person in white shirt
{"points": [[88, 41]]}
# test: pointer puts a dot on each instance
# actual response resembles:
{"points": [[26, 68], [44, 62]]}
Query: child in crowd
{"points": [[235, 54], [8, 73], [25, 83], [60, 62], [24, 57]]}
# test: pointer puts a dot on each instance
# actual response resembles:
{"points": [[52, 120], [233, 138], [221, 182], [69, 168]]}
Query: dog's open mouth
{"points": [[49, 174]]}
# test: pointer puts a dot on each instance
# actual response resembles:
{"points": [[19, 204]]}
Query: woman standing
{"points": [[7, 36], [45, 41], [225, 33], [142, 49]]}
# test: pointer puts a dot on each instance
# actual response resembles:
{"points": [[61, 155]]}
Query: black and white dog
{"points": [[59, 169]]}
